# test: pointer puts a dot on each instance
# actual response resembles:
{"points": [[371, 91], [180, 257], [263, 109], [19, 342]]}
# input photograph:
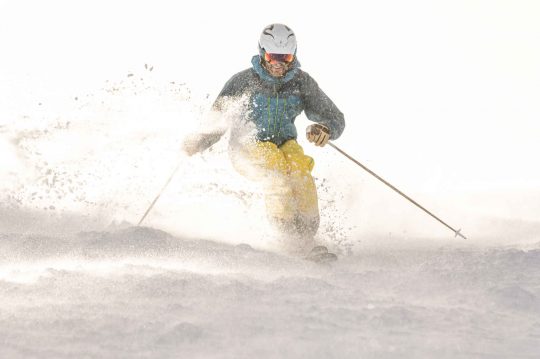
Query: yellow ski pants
{"points": [[285, 175]]}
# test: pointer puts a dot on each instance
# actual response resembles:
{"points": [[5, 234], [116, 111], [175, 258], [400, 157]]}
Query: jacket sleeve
{"points": [[217, 123], [319, 108], [232, 88]]}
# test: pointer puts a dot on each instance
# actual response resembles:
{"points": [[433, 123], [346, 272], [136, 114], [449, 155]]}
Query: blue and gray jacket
{"points": [[274, 103]]}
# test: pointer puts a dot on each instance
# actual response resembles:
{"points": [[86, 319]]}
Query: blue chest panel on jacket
{"points": [[274, 103], [274, 116]]}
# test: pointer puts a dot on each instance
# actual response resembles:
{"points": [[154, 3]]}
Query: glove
{"points": [[199, 142], [318, 134]]}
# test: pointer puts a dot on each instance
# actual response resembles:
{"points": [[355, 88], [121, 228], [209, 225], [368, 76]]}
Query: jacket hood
{"points": [[264, 75]]}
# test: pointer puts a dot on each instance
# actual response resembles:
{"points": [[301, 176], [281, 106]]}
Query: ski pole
{"points": [[159, 194], [456, 232]]}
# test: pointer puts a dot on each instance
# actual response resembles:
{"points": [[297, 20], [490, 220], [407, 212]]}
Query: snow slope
{"points": [[76, 280], [141, 293]]}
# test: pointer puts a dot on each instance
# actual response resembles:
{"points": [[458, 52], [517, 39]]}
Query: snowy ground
{"points": [[77, 281], [142, 293]]}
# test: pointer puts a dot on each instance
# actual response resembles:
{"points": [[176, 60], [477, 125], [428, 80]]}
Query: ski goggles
{"points": [[272, 58]]}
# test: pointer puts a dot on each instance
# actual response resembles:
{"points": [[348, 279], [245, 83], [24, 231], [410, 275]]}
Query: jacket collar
{"points": [[264, 75]]}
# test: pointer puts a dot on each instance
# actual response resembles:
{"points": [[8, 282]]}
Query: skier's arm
{"points": [[320, 109], [198, 142]]}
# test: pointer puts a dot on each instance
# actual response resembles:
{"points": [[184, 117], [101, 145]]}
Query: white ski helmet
{"points": [[277, 39]]}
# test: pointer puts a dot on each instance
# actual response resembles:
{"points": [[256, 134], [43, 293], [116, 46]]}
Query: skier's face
{"points": [[277, 65], [276, 69]]}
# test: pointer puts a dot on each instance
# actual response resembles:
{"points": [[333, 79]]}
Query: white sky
{"points": [[441, 95]]}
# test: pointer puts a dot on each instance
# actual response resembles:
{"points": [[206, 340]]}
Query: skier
{"points": [[273, 92]]}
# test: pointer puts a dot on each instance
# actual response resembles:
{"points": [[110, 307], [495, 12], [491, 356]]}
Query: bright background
{"points": [[440, 98]]}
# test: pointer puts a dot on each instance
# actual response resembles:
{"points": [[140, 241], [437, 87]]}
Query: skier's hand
{"points": [[199, 142], [191, 144], [318, 134]]}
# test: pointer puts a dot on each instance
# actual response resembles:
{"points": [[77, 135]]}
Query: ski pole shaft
{"points": [[159, 194], [456, 232]]}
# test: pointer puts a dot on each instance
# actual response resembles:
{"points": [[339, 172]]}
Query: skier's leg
{"points": [[303, 188], [264, 163]]}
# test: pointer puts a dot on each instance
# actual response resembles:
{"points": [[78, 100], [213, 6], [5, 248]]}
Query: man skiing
{"points": [[274, 92]]}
